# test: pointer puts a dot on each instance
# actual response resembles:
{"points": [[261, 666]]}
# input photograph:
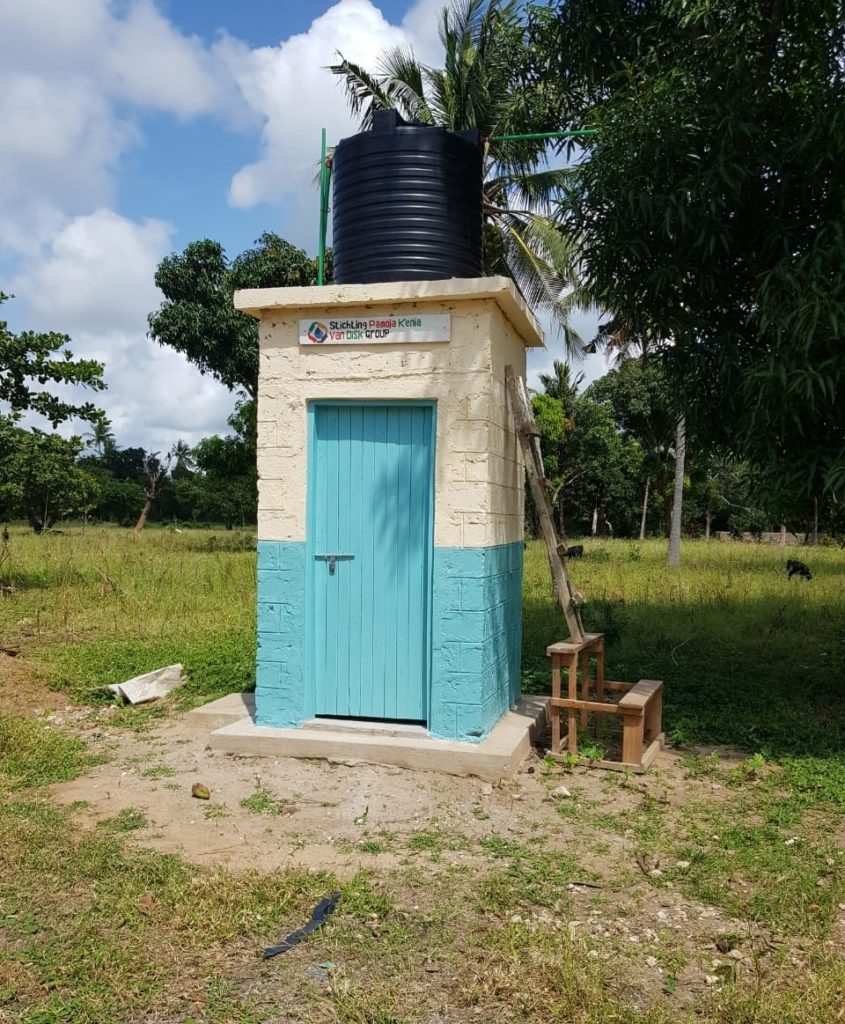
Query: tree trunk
{"points": [[783, 535], [148, 504], [815, 533], [645, 508], [708, 518], [595, 525], [674, 557]]}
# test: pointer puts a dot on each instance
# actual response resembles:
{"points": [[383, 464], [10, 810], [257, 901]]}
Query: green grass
{"points": [[434, 841], [33, 754], [262, 801], [157, 771], [130, 819], [748, 658], [102, 605], [533, 876], [726, 630], [93, 929], [99, 935]]}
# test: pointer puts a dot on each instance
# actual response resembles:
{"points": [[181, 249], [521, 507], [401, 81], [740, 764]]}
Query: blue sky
{"points": [[132, 127]]}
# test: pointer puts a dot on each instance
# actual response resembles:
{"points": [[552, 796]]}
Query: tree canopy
{"points": [[30, 360], [197, 317], [40, 478], [709, 207]]}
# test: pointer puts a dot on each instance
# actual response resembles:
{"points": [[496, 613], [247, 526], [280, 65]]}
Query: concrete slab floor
{"points": [[233, 731]]}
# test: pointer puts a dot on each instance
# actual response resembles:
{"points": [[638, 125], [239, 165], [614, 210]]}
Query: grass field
{"points": [[94, 929]]}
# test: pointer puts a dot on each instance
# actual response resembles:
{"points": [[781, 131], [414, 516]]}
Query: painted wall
{"points": [[478, 529]]}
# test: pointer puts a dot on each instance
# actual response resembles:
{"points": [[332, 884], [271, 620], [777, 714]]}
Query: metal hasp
{"points": [[332, 559]]}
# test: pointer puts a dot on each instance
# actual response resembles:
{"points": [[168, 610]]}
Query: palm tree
{"points": [[560, 384], [673, 558], [101, 435], [477, 88], [183, 456]]}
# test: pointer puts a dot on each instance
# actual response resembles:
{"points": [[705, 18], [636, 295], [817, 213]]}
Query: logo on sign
{"points": [[318, 332]]}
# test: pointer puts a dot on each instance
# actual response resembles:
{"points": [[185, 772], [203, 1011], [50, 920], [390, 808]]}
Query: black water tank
{"points": [[406, 203]]}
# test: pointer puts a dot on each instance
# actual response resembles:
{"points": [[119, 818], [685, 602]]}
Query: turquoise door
{"points": [[370, 541]]}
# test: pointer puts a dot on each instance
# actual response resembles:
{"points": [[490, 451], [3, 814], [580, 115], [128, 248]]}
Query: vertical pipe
{"points": [[321, 245]]}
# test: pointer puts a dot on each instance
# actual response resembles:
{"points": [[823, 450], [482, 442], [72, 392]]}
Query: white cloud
{"points": [[71, 75], [95, 282], [74, 77], [422, 27], [153, 65], [98, 273], [289, 88]]}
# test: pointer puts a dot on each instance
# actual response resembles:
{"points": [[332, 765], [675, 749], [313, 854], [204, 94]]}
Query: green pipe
{"points": [[327, 191], [324, 214], [543, 135]]}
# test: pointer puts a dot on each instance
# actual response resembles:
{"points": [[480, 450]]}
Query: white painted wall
{"points": [[478, 470]]}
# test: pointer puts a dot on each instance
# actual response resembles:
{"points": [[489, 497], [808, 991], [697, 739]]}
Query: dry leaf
{"points": [[146, 904]]}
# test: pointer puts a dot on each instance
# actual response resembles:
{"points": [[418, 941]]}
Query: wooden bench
{"points": [[641, 704]]}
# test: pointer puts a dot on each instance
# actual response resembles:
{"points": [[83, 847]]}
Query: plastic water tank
{"points": [[406, 203]]}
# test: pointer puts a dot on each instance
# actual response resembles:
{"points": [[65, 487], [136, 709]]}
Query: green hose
{"points": [[544, 135]]}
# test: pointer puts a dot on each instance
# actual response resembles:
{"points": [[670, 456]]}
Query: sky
{"points": [[130, 128]]}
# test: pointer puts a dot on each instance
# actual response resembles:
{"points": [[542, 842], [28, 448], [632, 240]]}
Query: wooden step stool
{"points": [[641, 705]]}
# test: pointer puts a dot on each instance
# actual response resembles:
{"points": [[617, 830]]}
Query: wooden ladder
{"points": [[529, 439]]}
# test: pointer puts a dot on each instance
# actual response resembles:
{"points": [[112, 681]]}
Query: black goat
{"points": [[796, 568]]}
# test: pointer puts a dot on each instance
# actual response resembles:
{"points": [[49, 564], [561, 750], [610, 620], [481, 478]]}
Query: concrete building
{"points": [[390, 522]]}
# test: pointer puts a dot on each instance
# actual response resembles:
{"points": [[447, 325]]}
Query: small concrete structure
{"points": [[390, 520]]}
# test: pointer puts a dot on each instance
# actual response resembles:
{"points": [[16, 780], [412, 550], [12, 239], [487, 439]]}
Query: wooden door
{"points": [[370, 544]]}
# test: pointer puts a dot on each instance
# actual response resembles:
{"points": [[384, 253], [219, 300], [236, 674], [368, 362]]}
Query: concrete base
{"points": [[495, 757], [234, 707]]}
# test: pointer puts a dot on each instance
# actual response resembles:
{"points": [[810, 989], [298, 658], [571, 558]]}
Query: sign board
{"points": [[382, 329]]}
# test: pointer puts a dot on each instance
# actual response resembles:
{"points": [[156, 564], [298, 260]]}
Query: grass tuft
{"points": [[33, 754]]}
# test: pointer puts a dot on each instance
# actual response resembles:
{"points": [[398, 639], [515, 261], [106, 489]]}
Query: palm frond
{"points": [[364, 92], [462, 20], [402, 78], [437, 97], [476, 88], [543, 263], [535, 191]]}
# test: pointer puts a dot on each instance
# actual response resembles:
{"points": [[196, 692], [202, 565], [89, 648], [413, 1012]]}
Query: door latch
{"points": [[332, 558]]}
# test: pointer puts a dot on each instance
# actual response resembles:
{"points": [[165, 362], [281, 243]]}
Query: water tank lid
{"points": [[387, 121]]}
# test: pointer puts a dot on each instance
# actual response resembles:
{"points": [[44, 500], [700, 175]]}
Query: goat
{"points": [[796, 568]]}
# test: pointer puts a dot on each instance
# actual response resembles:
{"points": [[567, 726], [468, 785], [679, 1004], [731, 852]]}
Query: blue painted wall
{"points": [[280, 690], [476, 637]]}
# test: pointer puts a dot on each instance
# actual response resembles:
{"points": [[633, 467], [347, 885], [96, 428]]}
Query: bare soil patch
{"points": [[22, 690], [429, 834]]}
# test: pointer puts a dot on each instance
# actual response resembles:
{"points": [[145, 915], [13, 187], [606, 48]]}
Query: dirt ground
{"points": [[347, 817], [324, 810]]}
